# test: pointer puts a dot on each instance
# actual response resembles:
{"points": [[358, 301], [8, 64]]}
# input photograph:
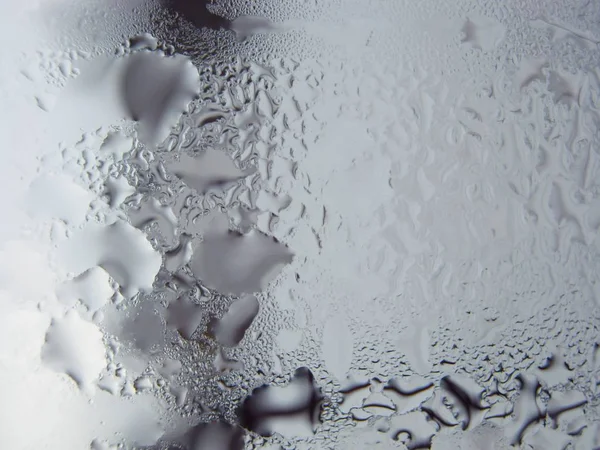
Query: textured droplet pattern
{"points": [[265, 225]]}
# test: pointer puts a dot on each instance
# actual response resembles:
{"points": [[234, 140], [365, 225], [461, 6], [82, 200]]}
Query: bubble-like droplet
{"points": [[290, 410]]}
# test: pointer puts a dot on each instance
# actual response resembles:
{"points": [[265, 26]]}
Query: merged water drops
{"points": [[271, 226]]}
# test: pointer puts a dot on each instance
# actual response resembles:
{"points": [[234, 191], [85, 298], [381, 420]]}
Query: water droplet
{"points": [[235, 263], [230, 329], [74, 347], [210, 169], [121, 250], [291, 410]]}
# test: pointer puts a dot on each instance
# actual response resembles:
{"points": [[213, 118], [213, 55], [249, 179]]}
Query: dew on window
{"points": [[316, 225]]}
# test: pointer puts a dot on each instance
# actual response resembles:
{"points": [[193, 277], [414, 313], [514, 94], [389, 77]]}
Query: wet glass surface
{"points": [[300, 225]]}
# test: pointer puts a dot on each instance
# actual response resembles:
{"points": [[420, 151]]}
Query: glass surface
{"points": [[300, 225]]}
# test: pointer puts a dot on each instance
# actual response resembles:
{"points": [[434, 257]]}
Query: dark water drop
{"points": [[185, 316], [210, 169], [216, 436], [230, 329], [197, 13], [291, 410]]}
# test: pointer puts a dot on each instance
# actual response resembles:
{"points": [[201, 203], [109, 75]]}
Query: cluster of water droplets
{"points": [[316, 251]]}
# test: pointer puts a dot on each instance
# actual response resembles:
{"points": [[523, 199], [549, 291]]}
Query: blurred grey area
{"points": [[330, 224]]}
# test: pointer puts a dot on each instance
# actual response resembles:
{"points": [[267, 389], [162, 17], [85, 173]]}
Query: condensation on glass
{"points": [[277, 225]]}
